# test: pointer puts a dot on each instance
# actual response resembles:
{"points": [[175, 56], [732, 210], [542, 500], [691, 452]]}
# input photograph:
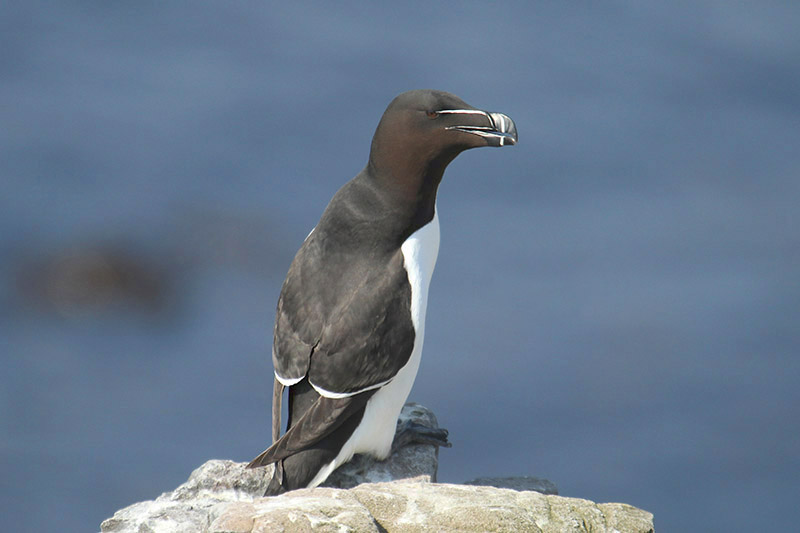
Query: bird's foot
{"points": [[412, 433]]}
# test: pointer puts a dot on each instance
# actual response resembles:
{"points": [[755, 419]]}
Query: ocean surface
{"points": [[616, 305]]}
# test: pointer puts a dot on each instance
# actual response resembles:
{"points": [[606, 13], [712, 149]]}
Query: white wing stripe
{"points": [[288, 382], [331, 394]]}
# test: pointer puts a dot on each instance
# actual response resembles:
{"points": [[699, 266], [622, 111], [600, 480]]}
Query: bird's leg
{"points": [[409, 432]]}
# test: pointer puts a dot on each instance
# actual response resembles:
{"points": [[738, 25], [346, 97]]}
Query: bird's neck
{"points": [[408, 192]]}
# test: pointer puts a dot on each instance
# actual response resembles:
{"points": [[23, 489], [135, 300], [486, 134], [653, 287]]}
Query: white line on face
{"points": [[462, 112]]}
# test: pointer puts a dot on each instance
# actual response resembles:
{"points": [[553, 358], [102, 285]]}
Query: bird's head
{"points": [[422, 131]]}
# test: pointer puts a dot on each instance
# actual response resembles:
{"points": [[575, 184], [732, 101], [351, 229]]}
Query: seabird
{"points": [[351, 313]]}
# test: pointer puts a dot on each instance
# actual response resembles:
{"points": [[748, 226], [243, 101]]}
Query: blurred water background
{"points": [[616, 305]]}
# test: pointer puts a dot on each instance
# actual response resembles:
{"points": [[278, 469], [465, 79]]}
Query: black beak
{"points": [[500, 130]]}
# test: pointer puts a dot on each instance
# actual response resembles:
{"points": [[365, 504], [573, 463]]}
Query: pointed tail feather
{"points": [[324, 416], [277, 399]]}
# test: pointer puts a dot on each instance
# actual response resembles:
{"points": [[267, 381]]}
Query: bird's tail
{"points": [[276, 486]]}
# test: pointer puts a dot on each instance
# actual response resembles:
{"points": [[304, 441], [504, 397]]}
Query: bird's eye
{"points": [[432, 114]]}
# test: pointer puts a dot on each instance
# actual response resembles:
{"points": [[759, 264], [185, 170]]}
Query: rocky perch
{"points": [[399, 494]]}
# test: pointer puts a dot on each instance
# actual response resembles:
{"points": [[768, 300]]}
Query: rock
{"points": [[416, 506], [224, 481], [517, 483], [408, 462], [225, 497], [319, 509], [196, 502]]}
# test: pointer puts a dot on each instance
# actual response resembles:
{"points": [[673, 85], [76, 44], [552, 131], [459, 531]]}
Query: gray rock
{"points": [[416, 506], [195, 504], [408, 462], [225, 497], [420, 506], [517, 483]]}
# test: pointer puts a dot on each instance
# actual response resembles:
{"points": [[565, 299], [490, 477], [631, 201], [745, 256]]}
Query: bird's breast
{"points": [[420, 251], [376, 431]]}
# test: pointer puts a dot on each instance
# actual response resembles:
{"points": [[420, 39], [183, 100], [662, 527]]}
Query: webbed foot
{"points": [[412, 433]]}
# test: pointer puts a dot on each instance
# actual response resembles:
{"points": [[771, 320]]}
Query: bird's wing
{"points": [[344, 325], [370, 337], [347, 327]]}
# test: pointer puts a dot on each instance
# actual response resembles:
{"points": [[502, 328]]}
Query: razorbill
{"points": [[351, 314]]}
